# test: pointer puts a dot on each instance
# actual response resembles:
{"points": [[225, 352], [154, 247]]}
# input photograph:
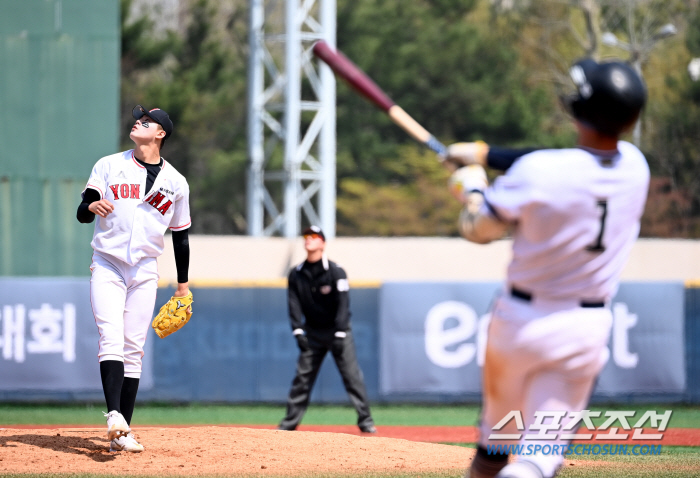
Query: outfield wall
{"points": [[416, 342], [235, 260], [419, 307]]}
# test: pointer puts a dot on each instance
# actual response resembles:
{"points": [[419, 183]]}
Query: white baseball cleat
{"points": [[520, 469], [126, 443], [116, 425]]}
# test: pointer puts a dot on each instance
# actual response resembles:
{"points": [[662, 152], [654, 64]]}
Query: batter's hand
{"points": [[102, 207], [464, 154], [467, 180]]}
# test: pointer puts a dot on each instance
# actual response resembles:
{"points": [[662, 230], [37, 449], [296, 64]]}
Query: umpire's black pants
{"points": [[308, 365]]}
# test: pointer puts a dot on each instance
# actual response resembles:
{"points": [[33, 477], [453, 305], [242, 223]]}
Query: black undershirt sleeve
{"points": [[294, 302], [503, 158], [84, 215], [181, 246], [342, 318]]}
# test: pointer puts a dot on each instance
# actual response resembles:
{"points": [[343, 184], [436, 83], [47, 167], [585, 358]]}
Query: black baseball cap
{"points": [[314, 230], [158, 116]]}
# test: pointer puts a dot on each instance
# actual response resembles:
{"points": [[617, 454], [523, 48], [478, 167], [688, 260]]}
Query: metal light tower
{"points": [[291, 138]]}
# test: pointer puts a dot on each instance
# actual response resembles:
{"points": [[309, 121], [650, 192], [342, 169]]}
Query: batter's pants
{"points": [[123, 297], [540, 356], [308, 366]]}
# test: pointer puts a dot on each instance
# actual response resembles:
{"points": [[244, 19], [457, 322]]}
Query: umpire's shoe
{"points": [[368, 429], [126, 443], [116, 425]]}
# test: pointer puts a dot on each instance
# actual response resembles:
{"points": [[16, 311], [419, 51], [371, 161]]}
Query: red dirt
{"points": [[254, 450], [438, 434], [213, 450]]}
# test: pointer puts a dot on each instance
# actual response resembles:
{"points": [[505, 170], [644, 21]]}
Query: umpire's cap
{"points": [[609, 95], [314, 230], [158, 116]]}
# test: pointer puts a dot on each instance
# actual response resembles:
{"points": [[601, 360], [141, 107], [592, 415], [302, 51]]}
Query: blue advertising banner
{"points": [[48, 337], [238, 347], [432, 338], [420, 340]]}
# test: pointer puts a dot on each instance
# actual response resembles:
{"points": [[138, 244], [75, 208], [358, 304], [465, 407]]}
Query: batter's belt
{"points": [[528, 297]]}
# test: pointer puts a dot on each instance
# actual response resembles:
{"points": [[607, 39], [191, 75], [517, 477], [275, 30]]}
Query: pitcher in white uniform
{"points": [[574, 215], [136, 196]]}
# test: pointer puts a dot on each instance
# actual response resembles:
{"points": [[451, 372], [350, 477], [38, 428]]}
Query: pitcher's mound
{"points": [[221, 451]]}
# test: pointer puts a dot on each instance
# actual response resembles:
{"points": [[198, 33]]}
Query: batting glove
{"points": [[467, 180], [464, 154]]}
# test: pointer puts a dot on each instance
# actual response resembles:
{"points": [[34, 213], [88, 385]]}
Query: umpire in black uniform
{"points": [[318, 290]]}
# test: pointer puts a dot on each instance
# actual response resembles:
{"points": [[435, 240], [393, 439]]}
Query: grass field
{"points": [[673, 462], [198, 414]]}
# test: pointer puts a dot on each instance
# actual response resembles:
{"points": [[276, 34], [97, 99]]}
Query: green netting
{"points": [[59, 112]]}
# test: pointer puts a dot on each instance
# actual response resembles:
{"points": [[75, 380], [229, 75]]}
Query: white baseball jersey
{"points": [[135, 228], [577, 213]]}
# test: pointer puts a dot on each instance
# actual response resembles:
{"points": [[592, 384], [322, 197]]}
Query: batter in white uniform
{"points": [[574, 216], [136, 196]]}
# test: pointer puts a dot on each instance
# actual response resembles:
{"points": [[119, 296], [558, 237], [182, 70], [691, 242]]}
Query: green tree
{"points": [[420, 205], [460, 69], [553, 33], [459, 77], [142, 52], [199, 78], [673, 150]]}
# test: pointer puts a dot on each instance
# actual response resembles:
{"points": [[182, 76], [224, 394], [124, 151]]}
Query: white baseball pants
{"points": [[540, 356], [123, 297]]}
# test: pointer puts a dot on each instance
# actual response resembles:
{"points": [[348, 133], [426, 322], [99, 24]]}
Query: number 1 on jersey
{"points": [[598, 246]]}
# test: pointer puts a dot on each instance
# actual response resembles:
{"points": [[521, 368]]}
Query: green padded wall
{"points": [[59, 113]]}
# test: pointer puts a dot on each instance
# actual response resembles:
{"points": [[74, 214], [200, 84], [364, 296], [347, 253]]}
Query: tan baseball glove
{"points": [[173, 315]]}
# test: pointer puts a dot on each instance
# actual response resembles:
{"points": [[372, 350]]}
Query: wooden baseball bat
{"points": [[361, 83]]}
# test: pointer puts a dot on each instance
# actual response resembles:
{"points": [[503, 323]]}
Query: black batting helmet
{"points": [[609, 95]]}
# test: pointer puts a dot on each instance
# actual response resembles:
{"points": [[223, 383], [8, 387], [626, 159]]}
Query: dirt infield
{"points": [[213, 450], [440, 434], [445, 434], [313, 450]]}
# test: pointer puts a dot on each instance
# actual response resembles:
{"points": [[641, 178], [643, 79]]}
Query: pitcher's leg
{"points": [[127, 400], [138, 313], [112, 376], [107, 297]]}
